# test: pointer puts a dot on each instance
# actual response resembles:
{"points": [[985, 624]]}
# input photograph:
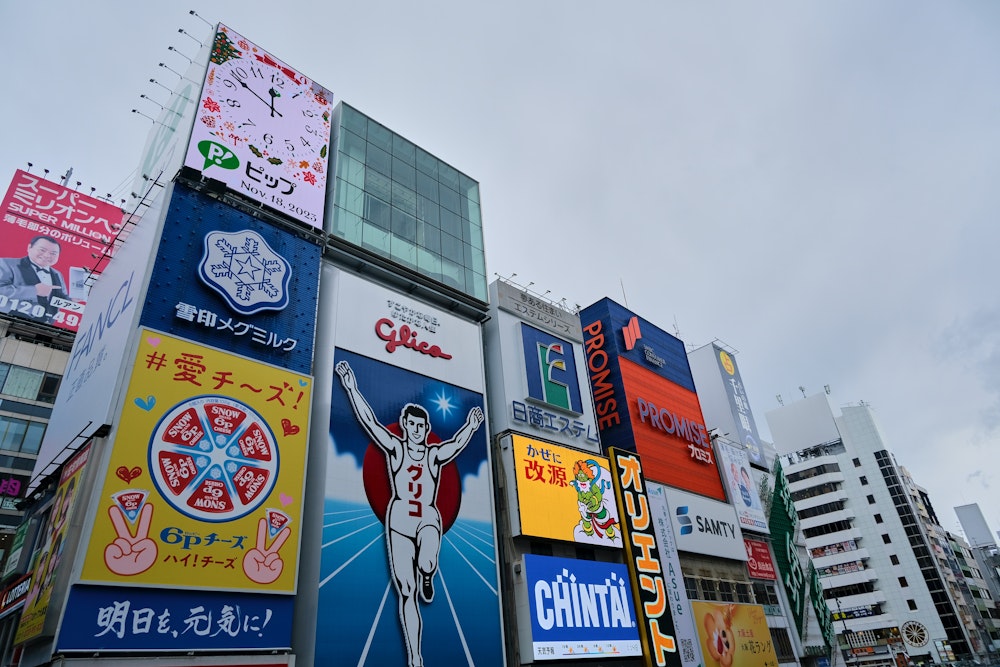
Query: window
{"points": [[878, 518], [912, 604], [782, 645], [20, 435], [871, 500], [691, 588], [23, 382], [709, 590], [886, 539], [50, 385], [743, 593], [764, 593], [894, 559], [902, 582], [857, 463], [864, 480]]}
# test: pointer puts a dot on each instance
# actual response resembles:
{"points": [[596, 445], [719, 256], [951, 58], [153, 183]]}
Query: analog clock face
{"points": [[263, 129]]}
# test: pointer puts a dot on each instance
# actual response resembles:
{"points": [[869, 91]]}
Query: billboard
{"points": [[705, 526], [784, 522], [227, 279], [408, 534], [735, 466], [580, 609], [111, 618], [52, 237], [536, 350], [205, 478], [565, 494], [680, 608], [263, 129], [759, 563], [724, 399], [734, 634], [48, 557], [92, 377], [645, 401], [645, 566]]}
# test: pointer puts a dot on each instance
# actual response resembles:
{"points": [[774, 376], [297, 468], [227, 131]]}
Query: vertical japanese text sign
{"points": [[656, 626]]}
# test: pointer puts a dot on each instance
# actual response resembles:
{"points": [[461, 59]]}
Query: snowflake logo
{"points": [[245, 271]]}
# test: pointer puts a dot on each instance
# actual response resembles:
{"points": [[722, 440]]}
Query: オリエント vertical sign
{"points": [[649, 588]]}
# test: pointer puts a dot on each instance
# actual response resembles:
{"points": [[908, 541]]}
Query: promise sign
{"points": [[649, 589]]}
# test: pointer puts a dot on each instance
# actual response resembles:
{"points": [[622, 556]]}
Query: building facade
{"points": [[873, 556]]}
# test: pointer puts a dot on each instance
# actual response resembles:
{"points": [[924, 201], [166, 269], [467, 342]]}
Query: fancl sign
{"points": [[580, 609]]}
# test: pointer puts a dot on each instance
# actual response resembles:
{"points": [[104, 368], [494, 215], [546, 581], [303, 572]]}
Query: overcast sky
{"points": [[815, 184]]}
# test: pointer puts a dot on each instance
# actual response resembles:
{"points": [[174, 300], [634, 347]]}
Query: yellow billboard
{"points": [[733, 634], [204, 486], [565, 494], [46, 559]]}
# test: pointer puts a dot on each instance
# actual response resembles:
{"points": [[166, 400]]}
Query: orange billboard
{"points": [[669, 432]]}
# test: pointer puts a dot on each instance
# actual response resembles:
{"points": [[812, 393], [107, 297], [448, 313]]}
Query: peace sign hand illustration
{"points": [[262, 564], [128, 554]]}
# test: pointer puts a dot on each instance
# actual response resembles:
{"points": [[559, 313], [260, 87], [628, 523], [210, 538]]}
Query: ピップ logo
{"points": [[245, 271]]}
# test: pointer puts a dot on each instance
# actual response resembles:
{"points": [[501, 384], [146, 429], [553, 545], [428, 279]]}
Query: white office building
{"points": [[880, 578]]}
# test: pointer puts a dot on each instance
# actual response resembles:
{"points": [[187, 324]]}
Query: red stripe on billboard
{"points": [[670, 432]]}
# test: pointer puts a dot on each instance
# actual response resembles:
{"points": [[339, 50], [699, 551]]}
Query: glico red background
{"points": [[666, 457], [81, 226]]}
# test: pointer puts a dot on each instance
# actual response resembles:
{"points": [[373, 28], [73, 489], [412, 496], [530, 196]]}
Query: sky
{"points": [[812, 184]]}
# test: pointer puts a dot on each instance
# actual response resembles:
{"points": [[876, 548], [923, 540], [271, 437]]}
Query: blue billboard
{"points": [[111, 618], [580, 609], [408, 563], [232, 281], [623, 333]]}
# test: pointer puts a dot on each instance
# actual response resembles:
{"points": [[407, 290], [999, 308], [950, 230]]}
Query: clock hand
{"points": [[252, 91], [273, 93]]}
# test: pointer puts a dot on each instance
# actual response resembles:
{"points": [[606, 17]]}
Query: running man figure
{"points": [[412, 521]]}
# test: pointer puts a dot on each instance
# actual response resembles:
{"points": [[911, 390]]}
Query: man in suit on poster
{"points": [[32, 280]]}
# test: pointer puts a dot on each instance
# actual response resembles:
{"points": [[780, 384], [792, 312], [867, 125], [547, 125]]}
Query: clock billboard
{"points": [[262, 129]]}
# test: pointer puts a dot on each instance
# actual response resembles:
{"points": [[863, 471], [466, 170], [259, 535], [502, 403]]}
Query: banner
{"points": [[205, 481], [49, 556], [655, 619], [144, 619], [51, 237], [735, 466], [759, 563], [580, 609], [408, 569], [565, 494], [734, 634]]}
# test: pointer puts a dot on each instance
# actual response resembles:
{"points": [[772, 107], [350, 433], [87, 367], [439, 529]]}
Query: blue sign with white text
{"points": [[232, 281], [109, 618], [580, 609]]}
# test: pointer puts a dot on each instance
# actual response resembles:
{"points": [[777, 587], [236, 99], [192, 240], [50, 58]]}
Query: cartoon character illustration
{"points": [[719, 639], [413, 525], [599, 515]]}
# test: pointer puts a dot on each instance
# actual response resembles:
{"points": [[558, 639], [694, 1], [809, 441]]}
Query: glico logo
{"points": [[405, 337], [631, 333], [550, 367]]}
